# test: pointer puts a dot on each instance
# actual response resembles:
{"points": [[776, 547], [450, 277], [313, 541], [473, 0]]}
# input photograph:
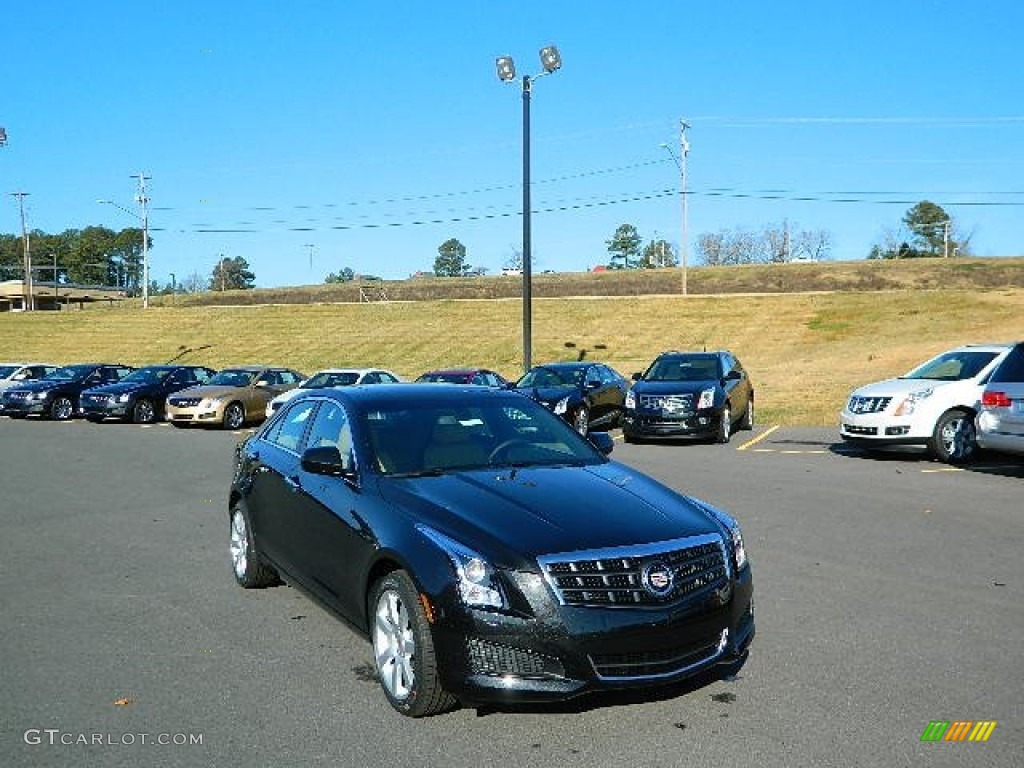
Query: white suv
{"points": [[932, 406]]}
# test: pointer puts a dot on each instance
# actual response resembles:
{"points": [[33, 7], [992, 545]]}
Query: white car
{"points": [[1000, 424], [933, 406], [335, 377]]}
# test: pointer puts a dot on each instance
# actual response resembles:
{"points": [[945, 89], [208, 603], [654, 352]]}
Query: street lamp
{"points": [[550, 61], [143, 201], [684, 149]]}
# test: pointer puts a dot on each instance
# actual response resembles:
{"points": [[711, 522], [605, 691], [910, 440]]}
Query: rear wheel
{"points": [[249, 569], [62, 409], [403, 649], [234, 416], [724, 425], [143, 412], [953, 440]]}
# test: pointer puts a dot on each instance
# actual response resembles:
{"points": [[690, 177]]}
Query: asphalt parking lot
{"points": [[888, 590]]}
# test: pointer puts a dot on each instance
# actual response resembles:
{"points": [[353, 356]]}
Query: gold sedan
{"points": [[232, 397]]}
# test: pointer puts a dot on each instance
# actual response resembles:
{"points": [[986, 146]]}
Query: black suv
{"points": [[689, 394], [140, 396], [56, 395]]}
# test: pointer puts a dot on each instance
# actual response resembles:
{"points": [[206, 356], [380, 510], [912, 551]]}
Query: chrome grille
{"points": [[672, 404], [487, 658], [859, 404], [16, 395], [185, 402], [615, 577], [97, 399]]}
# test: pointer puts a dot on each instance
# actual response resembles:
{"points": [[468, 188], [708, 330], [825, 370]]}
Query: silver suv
{"points": [[1000, 422]]}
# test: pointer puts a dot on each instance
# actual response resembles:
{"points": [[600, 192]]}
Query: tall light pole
{"points": [[684, 151], [143, 200], [550, 61], [29, 301], [311, 247]]}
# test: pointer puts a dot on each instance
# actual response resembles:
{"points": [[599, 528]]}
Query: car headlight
{"points": [[706, 399], [562, 405], [38, 396], [739, 551], [124, 398], [474, 574], [910, 401], [630, 399]]}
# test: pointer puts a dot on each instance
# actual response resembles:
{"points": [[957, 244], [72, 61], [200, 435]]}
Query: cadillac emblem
{"points": [[657, 579]]}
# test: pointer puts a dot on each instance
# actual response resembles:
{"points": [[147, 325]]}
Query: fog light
{"points": [[896, 431]]}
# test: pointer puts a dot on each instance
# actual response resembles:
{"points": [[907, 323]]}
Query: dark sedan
{"points": [[479, 376], [690, 394], [488, 551], [57, 395], [587, 395], [141, 396]]}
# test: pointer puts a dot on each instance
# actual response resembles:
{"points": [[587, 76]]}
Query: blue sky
{"points": [[353, 126]]}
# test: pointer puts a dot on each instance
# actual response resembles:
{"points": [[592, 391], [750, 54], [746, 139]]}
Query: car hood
{"points": [[898, 387], [119, 387], [548, 394], [673, 387], [522, 513], [43, 386], [210, 391]]}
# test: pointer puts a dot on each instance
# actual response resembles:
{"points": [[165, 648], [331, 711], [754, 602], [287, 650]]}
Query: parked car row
{"points": [[959, 400]]}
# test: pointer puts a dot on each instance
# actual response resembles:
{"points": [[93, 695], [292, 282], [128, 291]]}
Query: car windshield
{"points": [[544, 376], [444, 377], [147, 375], [683, 369], [71, 373], [329, 379], [7, 370], [232, 378], [411, 439], [953, 366]]}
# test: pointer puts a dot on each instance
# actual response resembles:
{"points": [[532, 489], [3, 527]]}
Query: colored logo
{"points": [[958, 730], [657, 578]]}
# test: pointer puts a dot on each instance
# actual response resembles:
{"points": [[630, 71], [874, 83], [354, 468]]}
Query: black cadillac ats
{"points": [[489, 552]]}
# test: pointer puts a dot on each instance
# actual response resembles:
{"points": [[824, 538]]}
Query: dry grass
{"points": [[804, 351]]}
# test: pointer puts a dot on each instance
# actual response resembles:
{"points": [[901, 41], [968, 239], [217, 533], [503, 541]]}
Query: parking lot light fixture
{"points": [[551, 61]]}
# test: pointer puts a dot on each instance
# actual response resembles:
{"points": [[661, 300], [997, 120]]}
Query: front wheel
{"points": [[62, 409], [403, 649], [234, 416], [724, 426], [954, 438], [581, 420], [143, 412]]}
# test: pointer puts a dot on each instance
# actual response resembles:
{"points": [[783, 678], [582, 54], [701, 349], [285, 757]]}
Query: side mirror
{"points": [[326, 460], [733, 376], [637, 376], [262, 383], [593, 385], [604, 442]]}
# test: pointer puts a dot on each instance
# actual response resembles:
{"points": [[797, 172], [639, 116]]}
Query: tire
{"points": [[747, 423], [724, 425], [143, 412], [234, 416], [954, 438], [581, 420], [62, 409], [403, 649], [247, 565]]}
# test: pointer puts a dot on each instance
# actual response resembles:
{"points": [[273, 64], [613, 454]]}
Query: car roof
{"points": [[379, 395], [360, 371], [570, 364], [454, 371]]}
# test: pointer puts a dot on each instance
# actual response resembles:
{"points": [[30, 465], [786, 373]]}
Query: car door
{"points": [[263, 389], [737, 385]]}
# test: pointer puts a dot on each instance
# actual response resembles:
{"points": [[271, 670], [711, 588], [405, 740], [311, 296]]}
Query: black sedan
{"points": [[689, 394], [140, 396], [488, 551], [57, 395], [587, 395]]}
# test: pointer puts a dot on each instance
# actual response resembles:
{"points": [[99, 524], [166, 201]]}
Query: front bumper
{"points": [[25, 407], [572, 651], [881, 429], [104, 410], [653, 424], [194, 415]]}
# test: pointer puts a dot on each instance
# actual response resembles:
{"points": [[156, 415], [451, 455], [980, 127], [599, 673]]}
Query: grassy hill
{"points": [[805, 350]]}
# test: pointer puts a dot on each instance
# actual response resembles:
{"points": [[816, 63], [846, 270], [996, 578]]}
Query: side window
{"points": [[200, 375], [273, 378], [371, 378], [479, 379], [288, 430], [593, 375], [387, 378], [331, 427], [287, 377], [1011, 370]]}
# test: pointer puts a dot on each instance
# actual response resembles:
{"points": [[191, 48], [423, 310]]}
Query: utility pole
{"points": [[945, 239], [310, 246], [28, 303], [143, 201], [684, 151]]}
